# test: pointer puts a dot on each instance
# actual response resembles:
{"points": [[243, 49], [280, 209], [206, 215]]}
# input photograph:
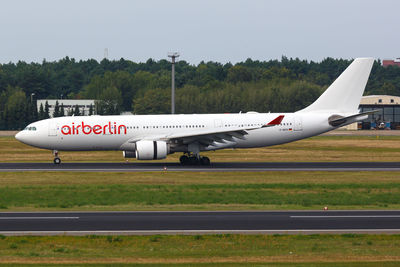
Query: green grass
{"points": [[188, 178], [204, 249], [35, 191], [202, 196], [231, 264]]}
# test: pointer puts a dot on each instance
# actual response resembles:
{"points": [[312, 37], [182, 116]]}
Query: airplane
{"points": [[153, 137]]}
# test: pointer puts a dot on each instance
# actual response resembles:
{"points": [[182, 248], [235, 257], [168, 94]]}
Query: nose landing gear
{"points": [[56, 160]]}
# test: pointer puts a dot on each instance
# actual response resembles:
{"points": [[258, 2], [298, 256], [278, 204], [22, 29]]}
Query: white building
{"points": [[387, 117], [69, 105]]}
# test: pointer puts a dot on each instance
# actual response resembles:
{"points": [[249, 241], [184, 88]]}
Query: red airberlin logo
{"points": [[95, 129]]}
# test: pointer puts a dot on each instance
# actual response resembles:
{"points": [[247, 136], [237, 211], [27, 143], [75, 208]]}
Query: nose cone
{"points": [[20, 137]]}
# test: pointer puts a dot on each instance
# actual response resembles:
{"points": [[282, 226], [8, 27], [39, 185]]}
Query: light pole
{"points": [[173, 55], [32, 97]]}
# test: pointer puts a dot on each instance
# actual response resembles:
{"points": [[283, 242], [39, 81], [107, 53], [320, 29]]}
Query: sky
{"points": [[201, 30]]}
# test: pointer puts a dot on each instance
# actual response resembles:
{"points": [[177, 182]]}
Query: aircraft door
{"points": [[218, 123], [53, 128], [298, 123]]}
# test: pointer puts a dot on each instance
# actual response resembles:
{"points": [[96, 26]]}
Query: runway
{"points": [[145, 223], [214, 167]]}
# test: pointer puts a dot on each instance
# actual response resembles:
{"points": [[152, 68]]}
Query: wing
{"points": [[210, 139], [217, 139]]}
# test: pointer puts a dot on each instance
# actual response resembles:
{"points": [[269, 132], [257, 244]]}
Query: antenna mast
{"points": [[173, 55]]}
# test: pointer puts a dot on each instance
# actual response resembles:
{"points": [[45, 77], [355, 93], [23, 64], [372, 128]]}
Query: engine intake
{"points": [[148, 150], [129, 154]]}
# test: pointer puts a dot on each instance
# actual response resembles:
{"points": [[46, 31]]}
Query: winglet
{"points": [[275, 121]]}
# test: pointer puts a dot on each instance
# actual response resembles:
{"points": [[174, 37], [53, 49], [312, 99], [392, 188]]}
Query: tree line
{"points": [[144, 88]]}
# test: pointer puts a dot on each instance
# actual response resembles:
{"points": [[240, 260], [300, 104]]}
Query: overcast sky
{"points": [[216, 30]]}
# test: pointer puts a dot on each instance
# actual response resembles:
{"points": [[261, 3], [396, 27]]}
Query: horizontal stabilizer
{"points": [[337, 120]]}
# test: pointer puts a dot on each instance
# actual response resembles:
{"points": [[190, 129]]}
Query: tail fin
{"points": [[344, 94]]}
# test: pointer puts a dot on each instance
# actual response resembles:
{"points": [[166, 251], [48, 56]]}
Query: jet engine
{"points": [[147, 150], [129, 154]]}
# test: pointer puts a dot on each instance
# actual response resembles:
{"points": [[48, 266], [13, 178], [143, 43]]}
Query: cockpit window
{"points": [[30, 128]]}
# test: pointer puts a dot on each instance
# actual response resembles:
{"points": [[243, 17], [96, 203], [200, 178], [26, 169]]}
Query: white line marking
{"points": [[345, 216], [39, 218]]}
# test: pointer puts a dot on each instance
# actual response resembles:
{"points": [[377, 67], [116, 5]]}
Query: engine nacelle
{"points": [[147, 150], [129, 154]]}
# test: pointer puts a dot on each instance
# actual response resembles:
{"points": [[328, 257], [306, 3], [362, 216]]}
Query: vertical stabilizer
{"points": [[344, 94]]}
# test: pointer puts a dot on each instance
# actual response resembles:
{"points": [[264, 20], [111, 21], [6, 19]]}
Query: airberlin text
{"points": [[83, 128]]}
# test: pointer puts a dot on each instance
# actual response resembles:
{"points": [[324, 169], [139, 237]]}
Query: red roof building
{"points": [[389, 62]]}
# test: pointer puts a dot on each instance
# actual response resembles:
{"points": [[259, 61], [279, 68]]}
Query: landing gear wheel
{"points": [[193, 161], [205, 161], [184, 159], [57, 160]]}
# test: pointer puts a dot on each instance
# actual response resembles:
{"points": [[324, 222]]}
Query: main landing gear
{"points": [[194, 160], [56, 160]]}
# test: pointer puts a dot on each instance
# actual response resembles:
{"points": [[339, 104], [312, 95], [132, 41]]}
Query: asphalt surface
{"points": [[80, 223], [214, 167]]}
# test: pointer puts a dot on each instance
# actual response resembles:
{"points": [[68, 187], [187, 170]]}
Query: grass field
{"points": [[36, 191], [233, 264], [320, 148], [247, 250], [229, 264]]}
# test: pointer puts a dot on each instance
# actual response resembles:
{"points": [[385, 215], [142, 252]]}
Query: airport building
{"points": [[69, 105], [388, 116]]}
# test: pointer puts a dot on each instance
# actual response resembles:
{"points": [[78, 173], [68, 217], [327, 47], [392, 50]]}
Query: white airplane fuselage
{"points": [[148, 137], [112, 132]]}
